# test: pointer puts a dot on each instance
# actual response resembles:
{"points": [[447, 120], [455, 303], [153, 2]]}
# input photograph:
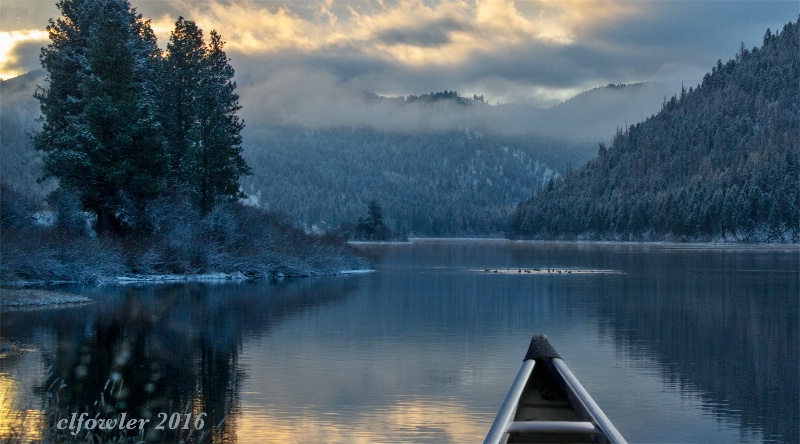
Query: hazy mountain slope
{"points": [[446, 183], [439, 164], [20, 164], [718, 162], [600, 110], [437, 167]]}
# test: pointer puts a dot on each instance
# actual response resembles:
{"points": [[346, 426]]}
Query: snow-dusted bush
{"points": [[42, 254], [232, 238], [15, 209], [69, 212]]}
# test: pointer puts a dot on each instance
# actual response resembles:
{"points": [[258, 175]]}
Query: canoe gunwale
{"points": [[592, 422], [506, 414], [585, 400]]}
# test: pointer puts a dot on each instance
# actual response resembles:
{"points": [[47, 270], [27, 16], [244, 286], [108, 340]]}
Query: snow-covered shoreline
{"points": [[18, 298], [718, 244], [168, 278], [27, 298], [15, 286], [211, 277]]}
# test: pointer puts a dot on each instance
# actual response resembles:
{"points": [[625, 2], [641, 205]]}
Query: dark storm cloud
{"points": [[670, 40], [691, 33], [309, 63], [430, 34], [668, 44]]}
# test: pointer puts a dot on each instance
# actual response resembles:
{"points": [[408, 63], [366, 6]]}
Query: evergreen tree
{"points": [[198, 109], [181, 72], [100, 135], [372, 227], [216, 158]]}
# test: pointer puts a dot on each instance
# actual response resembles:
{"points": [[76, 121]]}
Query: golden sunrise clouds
{"points": [[535, 51], [10, 43], [247, 26], [410, 31]]}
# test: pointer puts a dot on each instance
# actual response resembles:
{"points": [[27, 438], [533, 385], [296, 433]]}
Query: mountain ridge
{"points": [[717, 163]]}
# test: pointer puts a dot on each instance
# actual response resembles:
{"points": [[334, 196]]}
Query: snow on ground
{"points": [[23, 298], [18, 297], [169, 278], [44, 218], [207, 277]]}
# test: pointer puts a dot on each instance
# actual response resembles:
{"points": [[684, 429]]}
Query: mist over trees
{"points": [[719, 162], [440, 164]]}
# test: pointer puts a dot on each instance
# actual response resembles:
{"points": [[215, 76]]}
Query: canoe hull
{"points": [[546, 403]]}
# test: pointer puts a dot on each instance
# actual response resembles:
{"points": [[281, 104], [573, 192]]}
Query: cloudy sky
{"points": [[526, 51]]}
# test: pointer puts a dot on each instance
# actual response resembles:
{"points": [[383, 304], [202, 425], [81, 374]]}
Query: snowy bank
{"points": [[12, 299], [211, 277], [168, 278]]}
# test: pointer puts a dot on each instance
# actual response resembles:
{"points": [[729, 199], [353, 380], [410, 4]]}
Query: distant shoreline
{"points": [[685, 245]]}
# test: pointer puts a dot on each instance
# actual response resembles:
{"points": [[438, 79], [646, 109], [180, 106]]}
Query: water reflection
{"points": [[716, 324], [25, 421], [675, 345], [419, 421], [148, 350], [721, 323], [149, 356]]}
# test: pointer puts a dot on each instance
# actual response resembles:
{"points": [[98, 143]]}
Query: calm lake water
{"points": [[676, 343]]}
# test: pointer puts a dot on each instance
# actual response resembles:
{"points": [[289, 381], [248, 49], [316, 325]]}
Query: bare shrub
{"points": [[231, 238], [15, 209]]}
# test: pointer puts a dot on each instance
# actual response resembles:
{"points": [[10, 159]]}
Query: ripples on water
{"points": [[675, 343]]}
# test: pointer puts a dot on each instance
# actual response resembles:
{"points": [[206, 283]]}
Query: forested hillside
{"points": [[438, 163], [718, 162], [459, 182]]}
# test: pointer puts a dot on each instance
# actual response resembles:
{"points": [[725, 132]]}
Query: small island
{"points": [[141, 149]]}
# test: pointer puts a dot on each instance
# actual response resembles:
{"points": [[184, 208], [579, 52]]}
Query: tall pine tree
{"points": [[217, 158], [180, 80], [100, 134], [199, 106]]}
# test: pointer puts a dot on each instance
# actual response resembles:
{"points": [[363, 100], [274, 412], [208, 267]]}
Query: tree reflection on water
{"points": [[721, 324], [167, 349]]}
